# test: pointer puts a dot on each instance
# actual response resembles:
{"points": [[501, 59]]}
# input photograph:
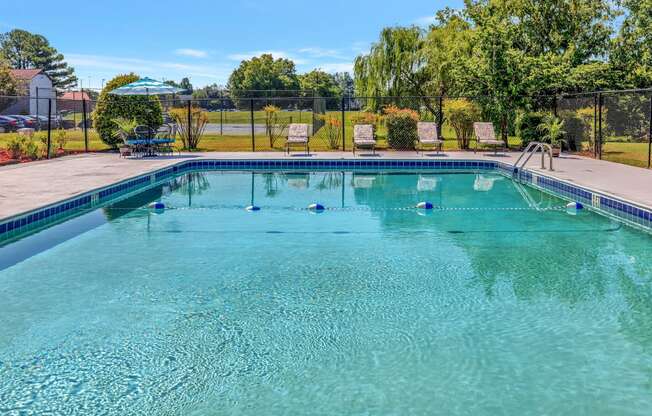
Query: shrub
{"points": [[15, 147], [145, 110], [366, 117], [31, 149], [527, 127], [553, 130], [61, 138], [332, 130], [576, 130], [125, 128], [190, 134], [401, 127], [461, 114], [275, 127]]}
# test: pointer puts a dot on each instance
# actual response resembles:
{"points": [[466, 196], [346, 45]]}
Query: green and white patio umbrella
{"points": [[146, 86]]}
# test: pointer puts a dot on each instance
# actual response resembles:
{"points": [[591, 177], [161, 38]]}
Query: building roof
{"points": [[25, 74], [75, 95]]}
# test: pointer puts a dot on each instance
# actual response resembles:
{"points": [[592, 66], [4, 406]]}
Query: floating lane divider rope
{"points": [[160, 207]]}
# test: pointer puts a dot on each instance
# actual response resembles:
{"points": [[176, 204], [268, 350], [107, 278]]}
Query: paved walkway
{"points": [[28, 186]]}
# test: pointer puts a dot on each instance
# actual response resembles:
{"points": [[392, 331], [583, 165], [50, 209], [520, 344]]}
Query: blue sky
{"points": [[206, 39]]}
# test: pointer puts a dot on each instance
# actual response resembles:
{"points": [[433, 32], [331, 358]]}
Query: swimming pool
{"points": [[497, 301]]}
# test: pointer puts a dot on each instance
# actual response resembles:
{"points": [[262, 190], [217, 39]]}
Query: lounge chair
{"points": [[428, 135], [485, 135], [363, 137], [297, 135]]}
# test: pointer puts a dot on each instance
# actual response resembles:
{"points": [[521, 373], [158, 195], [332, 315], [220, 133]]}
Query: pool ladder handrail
{"points": [[532, 148]]}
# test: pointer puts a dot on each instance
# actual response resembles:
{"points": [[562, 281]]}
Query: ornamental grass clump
{"points": [[190, 133], [332, 130]]}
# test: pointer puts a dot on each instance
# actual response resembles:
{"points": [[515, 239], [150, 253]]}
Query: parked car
{"points": [[8, 124], [28, 121]]}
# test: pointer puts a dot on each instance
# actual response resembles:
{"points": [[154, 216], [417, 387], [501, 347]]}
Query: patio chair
{"points": [[163, 139], [363, 137], [485, 135], [297, 135], [144, 140], [428, 135]]}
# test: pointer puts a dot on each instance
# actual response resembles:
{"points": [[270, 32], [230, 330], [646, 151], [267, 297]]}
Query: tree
{"points": [[631, 53], [263, 73], [25, 50], [394, 66], [344, 83], [186, 85], [8, 85], [321, 83], [146, 110]]}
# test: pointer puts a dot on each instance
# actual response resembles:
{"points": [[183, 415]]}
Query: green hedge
{"points": [[528, 127], [145, 110]]}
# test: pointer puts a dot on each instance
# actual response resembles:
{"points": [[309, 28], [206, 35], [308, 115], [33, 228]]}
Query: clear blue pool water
{"points": [[499, 302]]}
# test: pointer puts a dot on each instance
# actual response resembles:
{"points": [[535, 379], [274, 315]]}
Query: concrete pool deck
{"points": [[25, 187]]}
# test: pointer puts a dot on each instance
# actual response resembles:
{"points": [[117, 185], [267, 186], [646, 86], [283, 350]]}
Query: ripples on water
{"points": [[364, 310]]}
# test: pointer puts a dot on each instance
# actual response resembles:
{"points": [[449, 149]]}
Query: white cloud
{"points": [[317, 52], [276, 54], [193, 53], [359, 47], [333, 67], [144, 67], [425, 20]]}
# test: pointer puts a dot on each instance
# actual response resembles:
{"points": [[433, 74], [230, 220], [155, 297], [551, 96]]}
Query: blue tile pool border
{"points": [[627, 211]]}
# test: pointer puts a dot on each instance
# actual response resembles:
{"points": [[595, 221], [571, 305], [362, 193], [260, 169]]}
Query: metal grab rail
{"points": [[532, 148]]}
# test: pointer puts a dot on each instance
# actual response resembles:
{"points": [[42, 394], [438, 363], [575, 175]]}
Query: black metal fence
{"points": [[612, 125]]}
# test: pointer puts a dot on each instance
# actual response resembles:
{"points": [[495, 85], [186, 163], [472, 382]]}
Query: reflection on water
{"points": [[371, 307]]}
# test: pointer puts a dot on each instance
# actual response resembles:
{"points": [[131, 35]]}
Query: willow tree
{"points": [[395, 65]]}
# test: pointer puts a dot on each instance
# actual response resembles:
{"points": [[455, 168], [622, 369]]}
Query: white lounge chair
{"points": [[485, 135], [428, 135], [297, 135], [363, 137]]}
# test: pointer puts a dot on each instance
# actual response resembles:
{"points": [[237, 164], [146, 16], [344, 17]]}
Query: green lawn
{"points": [[634, 154]]}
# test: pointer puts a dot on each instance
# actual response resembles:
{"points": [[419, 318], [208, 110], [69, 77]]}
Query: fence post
{"points": [[221, 116], [49, 142], [343, 125], [440, 118], [595, 126], [600, 126], [554, 106], [189, 124], [253, 131], [649, 137], [84, 123]]}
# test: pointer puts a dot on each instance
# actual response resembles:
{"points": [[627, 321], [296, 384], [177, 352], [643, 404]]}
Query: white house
{"points": [[37, 86]]}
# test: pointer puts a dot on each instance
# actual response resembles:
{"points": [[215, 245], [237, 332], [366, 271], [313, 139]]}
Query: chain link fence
{"points": [[613, 125], [610, 125]]}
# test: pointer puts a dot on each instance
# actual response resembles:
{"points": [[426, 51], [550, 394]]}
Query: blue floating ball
{"points": [[156, 206], [252, 208], [425, 205], [574, 205], [316, 207]]}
